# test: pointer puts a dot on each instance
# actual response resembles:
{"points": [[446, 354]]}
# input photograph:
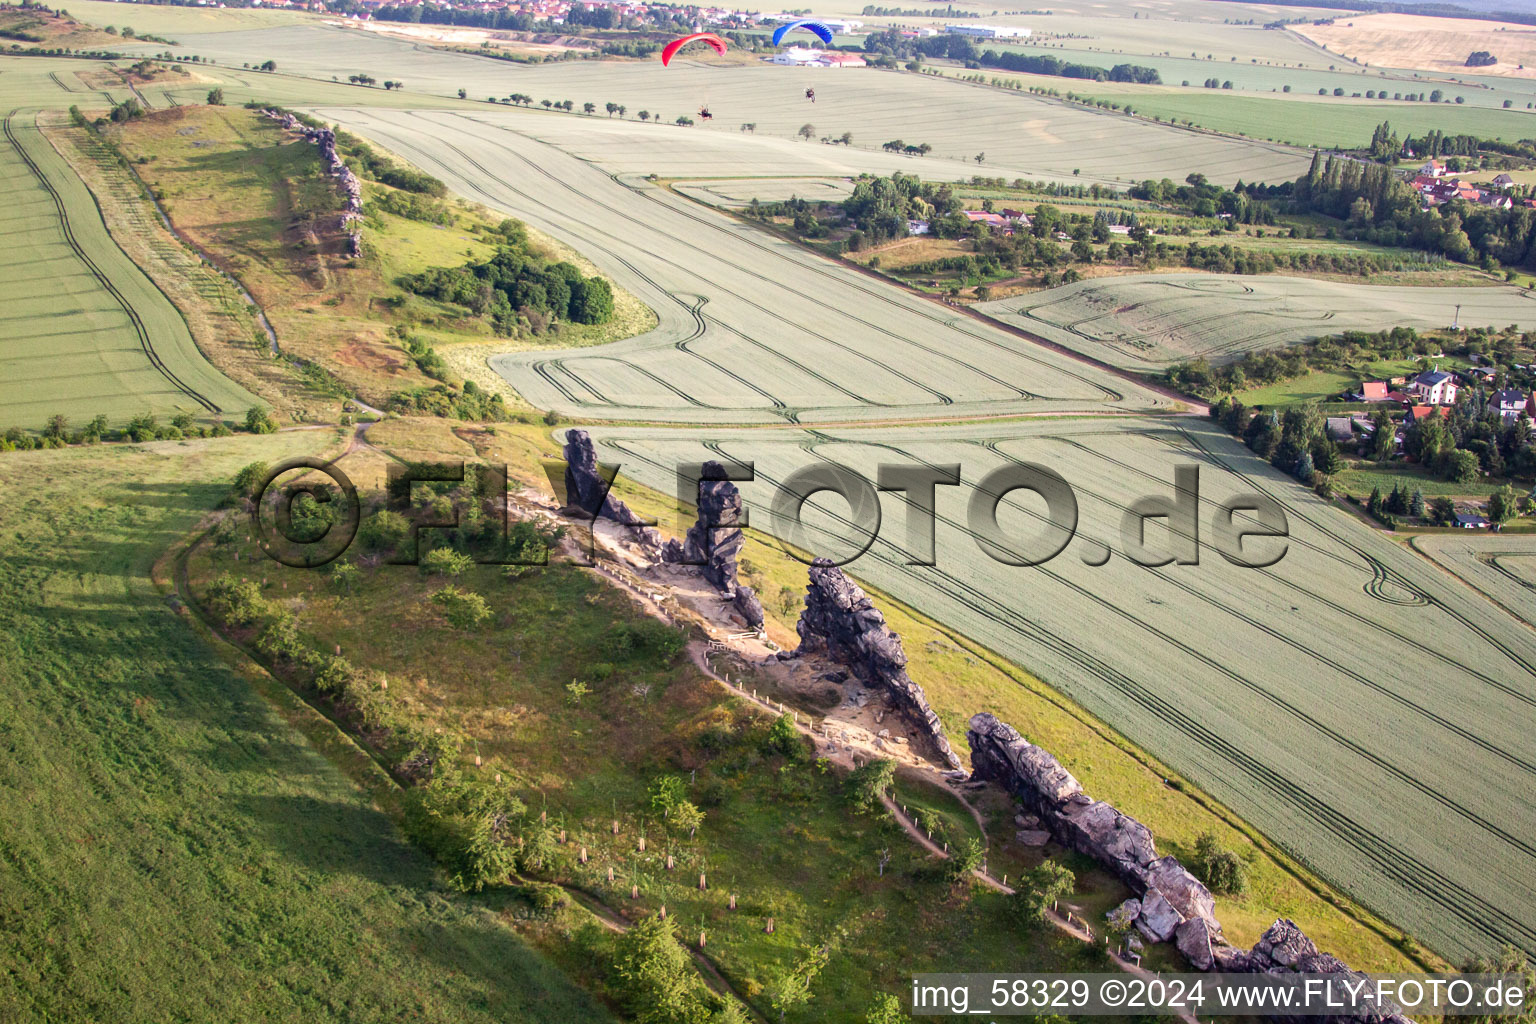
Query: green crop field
{"points": [[176, 847], [1501, 567], [749, 329], [1146, 322], [84, 332], [1233, 675]]}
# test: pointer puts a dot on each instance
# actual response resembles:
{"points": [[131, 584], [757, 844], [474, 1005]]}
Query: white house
{"points": [[1503, 181], [1433, 169], [917, 227], [1436, 387], [1510, 403]]}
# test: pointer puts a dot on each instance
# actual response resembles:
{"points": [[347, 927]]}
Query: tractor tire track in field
{"points": [[146, 344], [1393, 862], [939, 396]]}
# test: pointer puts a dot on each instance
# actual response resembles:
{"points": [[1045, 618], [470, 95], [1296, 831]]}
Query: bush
{"points": [[784, 739], [251, 476], [646, 637], [1221, 870], [464, 609], [446, 562], [1039, 890], [384, 530], [868, 782], [259, 421]]}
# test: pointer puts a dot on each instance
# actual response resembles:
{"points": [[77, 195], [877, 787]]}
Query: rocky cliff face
{"points": [[840, 619], [1170, 903], [584, 490], [1168, 896], [715, 540], [351, 188]]}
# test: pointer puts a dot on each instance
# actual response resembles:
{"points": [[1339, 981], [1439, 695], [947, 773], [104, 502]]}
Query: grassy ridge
{"points": [[175, 848]]}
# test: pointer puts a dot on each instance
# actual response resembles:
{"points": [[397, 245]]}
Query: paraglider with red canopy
{"points": [[670, 50]]}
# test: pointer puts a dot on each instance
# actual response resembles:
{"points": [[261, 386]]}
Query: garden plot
{"points": [[1146, 322], [1285, 692], [1502, 567], [752, 329], [83, 332]]}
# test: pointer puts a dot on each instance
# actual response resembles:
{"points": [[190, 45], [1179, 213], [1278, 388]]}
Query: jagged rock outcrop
{"points": [[715, 539], [1169, 895], [1170, 903], [351, 188], [585, 491], [1285, 949], [748, 606], [840, 619]]}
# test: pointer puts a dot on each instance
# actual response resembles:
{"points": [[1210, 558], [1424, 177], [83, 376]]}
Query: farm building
{"points": [[996, 220], [1340, 428], [987, 31], [803, 57]]}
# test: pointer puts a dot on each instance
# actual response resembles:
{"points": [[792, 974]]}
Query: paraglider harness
{"points": [[810, 94], [705, 114]]}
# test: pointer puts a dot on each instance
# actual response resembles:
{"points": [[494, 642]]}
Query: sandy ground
{"points": [[1430, 44]]}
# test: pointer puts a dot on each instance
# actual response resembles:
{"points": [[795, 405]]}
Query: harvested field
{"points": [[1146, 321], [751, 329], [84, 332], [1431, 44], [1501, 567], [1418, 801]]}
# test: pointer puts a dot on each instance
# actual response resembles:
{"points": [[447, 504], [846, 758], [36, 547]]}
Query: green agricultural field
{"points": [[1501, 567], [1317, 121], [1145, 321], [1231, 675], [84, 332], [180, 843], [752, 329]]}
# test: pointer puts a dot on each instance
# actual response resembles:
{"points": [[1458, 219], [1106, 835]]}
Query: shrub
{"points": [[464, 609], [251, 476], [383, 530], [784, 739], [259, 421], [446, 562], [1221, 870], [868, 782]]}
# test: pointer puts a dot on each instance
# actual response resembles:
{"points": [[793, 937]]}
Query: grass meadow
{"points": [[182, 842], [778, 832]]}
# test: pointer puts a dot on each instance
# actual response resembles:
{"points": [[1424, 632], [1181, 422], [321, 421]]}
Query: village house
{"points": [[917, 227], [1433, 169], [1434, 387], [1509, 403], [1371, 391], [1503, 181], [1471, 521]]}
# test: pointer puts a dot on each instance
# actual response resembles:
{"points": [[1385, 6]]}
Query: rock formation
{"points": [[1170, 903], [1168, 896], [1285, 949], [715, 541], [351, 187], [840, 619], [585, 488]]}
